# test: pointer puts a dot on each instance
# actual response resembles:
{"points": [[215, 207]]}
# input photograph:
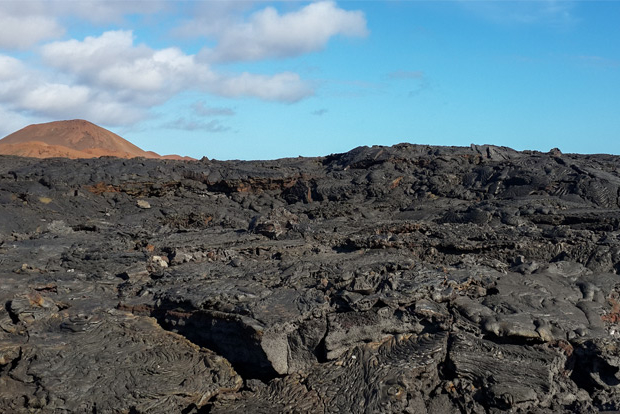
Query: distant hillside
{"points": [[72, 139]]}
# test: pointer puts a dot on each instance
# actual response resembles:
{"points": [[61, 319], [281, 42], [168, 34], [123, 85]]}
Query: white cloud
{"points": [[212, 17], [53, 95], [10, 67], [24, 90], [286, 87], [113, 80], [268, 34], [10, 121], [15, 78], [64, 101], [90, 55], [164, 69], [112, 60], [25, 23], [107, 79], [21, 32], [147, 76]]}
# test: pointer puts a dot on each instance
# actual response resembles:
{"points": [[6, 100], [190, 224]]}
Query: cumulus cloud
{"points": [[86, 55], [10, 68], [15, 80], [54, 95], [112, 79], [21, 32], [112, 61], [26, 23], [28, 91], [148, 76], [212, 17], [284, 87], [11, 121], [269, 34], [59, 100]]}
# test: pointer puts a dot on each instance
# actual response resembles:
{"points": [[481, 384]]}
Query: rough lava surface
{"points": [[405, 279]]}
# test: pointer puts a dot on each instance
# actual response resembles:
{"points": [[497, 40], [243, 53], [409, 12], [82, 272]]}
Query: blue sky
{"points": [[263, 80]]}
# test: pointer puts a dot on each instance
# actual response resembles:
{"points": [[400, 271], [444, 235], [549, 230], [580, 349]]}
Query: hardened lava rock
{"points": [[404, 279]]}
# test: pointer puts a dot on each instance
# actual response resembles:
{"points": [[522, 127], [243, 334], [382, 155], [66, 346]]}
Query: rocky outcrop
{"points": [[405, 279]]}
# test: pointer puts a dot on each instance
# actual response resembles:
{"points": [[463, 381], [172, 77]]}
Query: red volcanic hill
{"points": [[72, 139]]}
